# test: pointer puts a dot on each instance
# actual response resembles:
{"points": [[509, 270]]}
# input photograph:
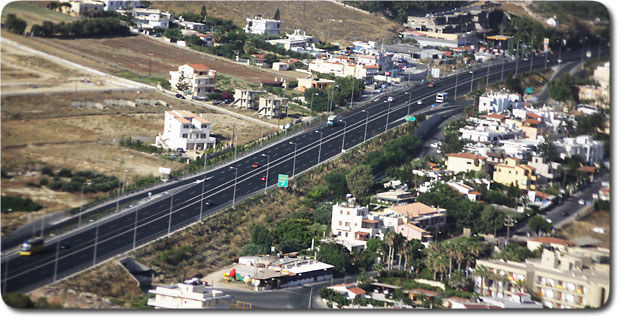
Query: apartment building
{"points": [[570, 279], [592, 151], [532, 128], [352, 225], [514, 173], [260, 25], [199, 78], [547, 172], [498, 102], [423, 216], [120, 4], [184, 130], [151, 18], [246, 98], [273, 107], [464, 162], [189, 296]]}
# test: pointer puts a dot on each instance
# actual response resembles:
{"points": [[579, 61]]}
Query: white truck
{"points": [[332, 121]]}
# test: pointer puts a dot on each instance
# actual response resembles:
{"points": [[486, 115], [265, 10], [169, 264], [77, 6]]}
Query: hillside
{"points": [[324, 19]]}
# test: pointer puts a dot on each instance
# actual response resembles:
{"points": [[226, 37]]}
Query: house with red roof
{"points": [[350, 290]]}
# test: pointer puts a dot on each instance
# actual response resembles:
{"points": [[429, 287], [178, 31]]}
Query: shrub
{"points": [[15, 24], [65, 172], [44, 181], [48, 171], [32, 184], [19, 204]]}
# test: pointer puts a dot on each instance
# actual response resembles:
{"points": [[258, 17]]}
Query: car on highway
{"points": [[419, 102], [263, 178], [431, 84], [581, 202], [65, 245], [564, 213], [179, 96], [255, 164], [560, 61], [210, 202], [549, 220]]}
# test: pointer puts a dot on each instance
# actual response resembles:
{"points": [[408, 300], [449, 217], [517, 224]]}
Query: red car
{"points": [[255, 165], [263, 178], [432, 84]]}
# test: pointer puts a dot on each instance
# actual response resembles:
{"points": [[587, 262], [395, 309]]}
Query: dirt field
{"points": [[582, 228], [34, 12], [323, 19]]}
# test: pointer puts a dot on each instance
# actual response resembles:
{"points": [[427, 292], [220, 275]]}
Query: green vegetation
{"points": [[588, 10], [399, 10], [108, 26], [539, 225], [21, 301], [139, 145], [13, 204], [88, 180], [334, 297], [15, 24], [175, 256], [360, 180], [517, 253]]}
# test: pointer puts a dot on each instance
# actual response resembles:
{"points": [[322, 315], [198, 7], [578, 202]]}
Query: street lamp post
{"points": [[471, 80], [353, 81], [502, 71], [235, 185], [267, 174], [81, 196], [456, 77], [487, 80], [517, 58], [366, 123], [387, 116], [295, 152], [200, 217], [310, 114], [532, 52], [344, 132], [320, 141], [120, 190]]}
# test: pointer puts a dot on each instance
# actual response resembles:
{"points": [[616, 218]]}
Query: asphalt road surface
{"points": [[178, 204]]}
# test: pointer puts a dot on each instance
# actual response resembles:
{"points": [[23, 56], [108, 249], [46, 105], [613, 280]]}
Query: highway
{"points": [[179, 204]]}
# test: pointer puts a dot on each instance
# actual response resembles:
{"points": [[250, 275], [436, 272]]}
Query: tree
{"points": [[414, 255], [360, 180], [203, 12], [458, 280], [336, 255], [15, 24], [484, 273], [277, 14], [182, 85], [262, 236], [547, 150], [18, 300], [337, 183], [539, 225], [492, 220], [293, 235]]}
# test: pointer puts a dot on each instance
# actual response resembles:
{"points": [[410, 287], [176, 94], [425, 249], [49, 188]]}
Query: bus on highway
{"points": [[442, 97], [32, 246]]}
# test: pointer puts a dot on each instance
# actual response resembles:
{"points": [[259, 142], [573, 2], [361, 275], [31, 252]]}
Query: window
{"points": [[340, 222], [346, 223], [204, 126], [184, 136], [347, 212], [203, 135]]}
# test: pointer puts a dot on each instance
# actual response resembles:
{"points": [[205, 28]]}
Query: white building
{"points": [[200, 79], [547, 172], [350, 290], [352, 225], [185, 130], [124, 4], [82, 7], [260, 25], [273, 107], [188, 296], [246, 98], [515, 301], [590, 150], [498, 102], [151, 18], [195, 26]]}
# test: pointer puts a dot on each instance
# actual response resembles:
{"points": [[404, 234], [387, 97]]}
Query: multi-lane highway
{"points": [[174, 206]]}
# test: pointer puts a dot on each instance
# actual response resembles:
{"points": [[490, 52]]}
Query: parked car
{"points": [[217, 102], [179, 96], [181, 150]]}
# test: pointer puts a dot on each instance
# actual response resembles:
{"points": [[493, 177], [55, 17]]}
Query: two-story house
{"points": [[246, 98], [512, 172], [260, 25], [464, 162], [352, 225], [151, 18], [184, 130], [199, 78]]}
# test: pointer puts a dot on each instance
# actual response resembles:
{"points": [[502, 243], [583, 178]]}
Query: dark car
{"points": [[255, 164], [179, 96], [210, 202], [218, 102], [65, 245], [564, 213], [180, 150]]}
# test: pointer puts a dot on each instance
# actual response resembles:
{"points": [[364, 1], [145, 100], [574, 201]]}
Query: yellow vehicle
{"points": [[32, 246]]}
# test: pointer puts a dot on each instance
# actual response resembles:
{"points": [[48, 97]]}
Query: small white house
{"points": [[188, 296], [350, 290], [279, 66], [184, 130], [260, 25], [200, 78]]}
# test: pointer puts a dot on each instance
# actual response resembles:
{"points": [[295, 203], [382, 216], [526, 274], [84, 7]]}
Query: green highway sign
{"points": [[283, 180], [410, 118], [529, 90]]}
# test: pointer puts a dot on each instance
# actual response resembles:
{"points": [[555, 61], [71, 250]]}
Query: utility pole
{"points": [[456, 77], [509, 223], [172, 198]]}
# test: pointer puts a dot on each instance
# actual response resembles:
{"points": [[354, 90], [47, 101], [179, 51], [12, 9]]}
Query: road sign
{"points": [[283, 180], [410, 118], [529, 90]]}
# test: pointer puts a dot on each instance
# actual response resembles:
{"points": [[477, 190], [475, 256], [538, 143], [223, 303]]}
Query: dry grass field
{"points": [[34, 12], [583, 228], [324, 19]]}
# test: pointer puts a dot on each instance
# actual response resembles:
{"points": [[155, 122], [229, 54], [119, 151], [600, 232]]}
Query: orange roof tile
{"points": [[415, 209], [356, 290], [199, 67], [533, 115], [588, 169], [415, 228], [550, 240], [370, 221], [465, 155], [532, 121], [202, 120], [496, 116]]}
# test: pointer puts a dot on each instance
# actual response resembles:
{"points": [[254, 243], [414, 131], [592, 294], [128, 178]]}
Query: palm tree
{"points": [[400, 245], [460, 254], [389, 238], [483, 272], [431, 261]]}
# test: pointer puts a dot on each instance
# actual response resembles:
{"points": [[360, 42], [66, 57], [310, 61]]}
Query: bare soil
{"points": [[583, 228]]}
